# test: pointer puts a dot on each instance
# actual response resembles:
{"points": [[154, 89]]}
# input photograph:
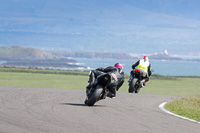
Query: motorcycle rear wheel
{"points": [[95, 96], [132, 85]]}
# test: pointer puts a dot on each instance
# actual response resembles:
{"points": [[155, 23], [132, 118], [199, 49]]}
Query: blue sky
{"points": [[133, 26]]}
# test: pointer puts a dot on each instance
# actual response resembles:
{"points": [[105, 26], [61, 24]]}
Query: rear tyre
{"points": [[95, 96], [132, 85]]}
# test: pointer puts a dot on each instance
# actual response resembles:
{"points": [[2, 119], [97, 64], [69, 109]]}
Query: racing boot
{"points": [[142, 82], [111, 93]]}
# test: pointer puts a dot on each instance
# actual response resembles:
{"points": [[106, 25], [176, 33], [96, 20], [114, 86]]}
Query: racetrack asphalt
{"points": [[44, 110]]}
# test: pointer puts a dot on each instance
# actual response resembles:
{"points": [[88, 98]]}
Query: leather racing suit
{"points": [[113, 87]]}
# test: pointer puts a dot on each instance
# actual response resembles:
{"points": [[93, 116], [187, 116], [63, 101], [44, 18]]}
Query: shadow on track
{"points": [[77, 104]]}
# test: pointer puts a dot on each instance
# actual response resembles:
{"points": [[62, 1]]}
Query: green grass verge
{"points": [[188, 106], [178, 87], [42, 71], [43, 80], [163, 85]]}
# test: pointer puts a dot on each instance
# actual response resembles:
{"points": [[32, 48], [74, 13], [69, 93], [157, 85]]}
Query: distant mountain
{"points": [[164, 56], [18, 56], [22, 53], [112, 55], [19, 53], [95, 54]]}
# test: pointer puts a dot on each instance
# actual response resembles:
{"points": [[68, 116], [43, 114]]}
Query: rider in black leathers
{"points": [[117, 70]]}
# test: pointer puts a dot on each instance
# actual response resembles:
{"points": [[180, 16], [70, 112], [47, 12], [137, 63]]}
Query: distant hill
{"points": [[18, 56], [112, 55], [30, 54], [95, 54], [22, 53], [164, 56]]}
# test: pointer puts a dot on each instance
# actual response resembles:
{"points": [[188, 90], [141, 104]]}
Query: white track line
{"points": [[162, 107]]}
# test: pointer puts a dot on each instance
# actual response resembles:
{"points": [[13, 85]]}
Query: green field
{"points": [[78, 80], [186, 106], [162, 85], [59, 81]]}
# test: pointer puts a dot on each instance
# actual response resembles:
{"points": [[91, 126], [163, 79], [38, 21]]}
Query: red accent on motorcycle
{"points": [[137, 70], [114, 76]]}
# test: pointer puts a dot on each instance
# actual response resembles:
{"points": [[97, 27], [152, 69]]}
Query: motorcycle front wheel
{"points": [[95, 96]]}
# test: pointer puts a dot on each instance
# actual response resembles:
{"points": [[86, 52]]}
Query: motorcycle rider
{"points": [[117, 70], [144, 66]]}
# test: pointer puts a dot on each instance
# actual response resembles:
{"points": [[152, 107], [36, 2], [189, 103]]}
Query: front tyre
{"points": [[95, 95]]}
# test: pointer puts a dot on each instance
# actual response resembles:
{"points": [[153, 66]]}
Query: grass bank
{"points": [[188, 106], [163, 85]]}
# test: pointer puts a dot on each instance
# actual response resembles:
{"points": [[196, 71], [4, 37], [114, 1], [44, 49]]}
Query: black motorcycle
{"points": [[100, 89], [135, 81]]}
